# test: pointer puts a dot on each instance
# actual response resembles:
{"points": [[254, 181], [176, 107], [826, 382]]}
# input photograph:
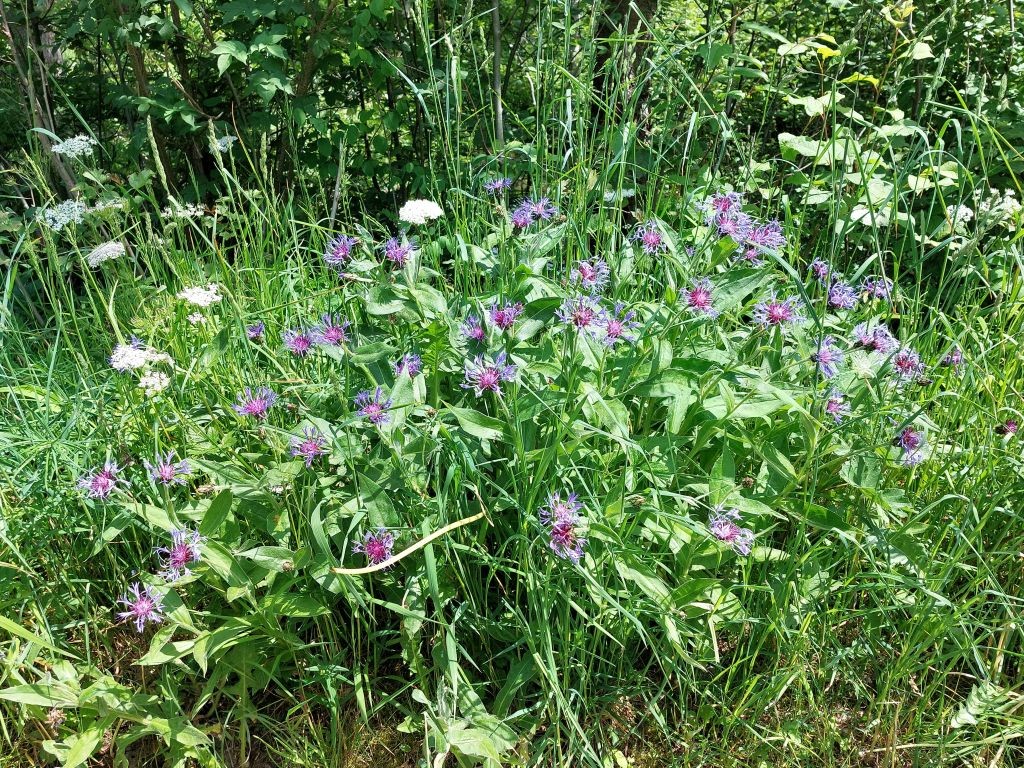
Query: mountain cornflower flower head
{"points": [[700, 299], [255, 331], [310, 446], [820, 270], [167, 471], [398, 252], [143, 604], [1008, 428], [836, 406], [105, 252], [482, 376], [558, 509], [581, 313], [522, 215], [186, 548], [906, 364], [724, 527], [542, 208], [954, 359], [842, 295], [590, 275], [409, 364], [200, 296], [498, 185], [736, 225], [777, 313], [376, 545], [420, 212], [828, 357], [154, 382], [720, 204], [331, 332], [765, 237], [256, 404], [77, 146], [562, 517], [877, 339], [297, 341], [472, 329], [101, 483], [912, 443], [505, 317], [749, 256], [339, 251], [877, 288], [618, 325], [373, 406], [649, 236]]}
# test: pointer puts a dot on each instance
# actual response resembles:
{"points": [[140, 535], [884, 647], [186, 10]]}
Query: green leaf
{"points": [[293, 605], [478, 424], [42, 694], [16, 629], [218, 512]]}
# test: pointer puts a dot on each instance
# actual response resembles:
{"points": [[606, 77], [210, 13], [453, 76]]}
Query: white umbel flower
{"points": [[154, 382], [196, 318], [105, 252], [959, 214], [201, 297], [420, 212], [78, 146], [133, 356], [224, 143], [68, 212]]}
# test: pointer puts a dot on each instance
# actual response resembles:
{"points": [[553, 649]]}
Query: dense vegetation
{"points": [[438, 383]]}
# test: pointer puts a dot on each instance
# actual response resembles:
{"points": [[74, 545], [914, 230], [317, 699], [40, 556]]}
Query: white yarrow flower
{"points": [[77, 146], [187, 211], [959, 214], [201, 297], [105, 252], [153, 382], [131, 357], [420, 211], [196, 318]]}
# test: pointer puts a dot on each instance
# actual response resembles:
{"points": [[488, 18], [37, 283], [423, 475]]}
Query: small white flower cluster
{"points": [[224, 143], [78, 146], [132, 357], [154, 382], [59, 216], [105, 252], [196, 318], [178, 210], [959, 214], [1002, 209], [618, 195], [106, 205], [420, 211], [201, 297]]}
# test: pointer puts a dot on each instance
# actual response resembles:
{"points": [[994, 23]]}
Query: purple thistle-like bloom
{"points": [[618, 325], [185, 549], [557, 510], [907, 364], [836, 406], [749, 256], [101, 483], [776, 312], [764, 237], [842, 295], [522, 216], [167, 471], [828, 357], [331, 332], [409, 364], [310, 446], [472, 329], [397, 252], [821, 270], [256, 404], [376, 545], [736, 225], [723, 526], [562, 518], [954, 359], [720, 205], [581, 313], [542, 208], [373, 406], [143, 606], [591, 275], [482, 376], [297, 341], [339, 250], [878, 339], [650, 238], [505, 317], [1008, 428], [255, 331], [498, 185], [699, 298], [912, 443], [877, 287]]}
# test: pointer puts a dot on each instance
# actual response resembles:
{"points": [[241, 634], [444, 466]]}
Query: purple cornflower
{"points": [[591, 275], [1008, 428], [699, 298], [498, 185], [954, 359], [339, 250], [842, 295], [764, 237], [505, 317], [650, 238], [255, 331], [582, 313], [472, 329], [481, 376], [373, 406], [836, 406], [331, 332], [562, 518], [409, 364], [776, 312], [377, 546], [398, 252], [749, 256], [310, 446], [877, 287], [878, 339], [100, 483], [736, 225], [723, 526], [297, 341], [912, 443], [828, 357], [556, 509], [820, 270], [720, 205], [184, 549], [522, 216], [907, 364], [143, 606], [256, 404], [167, 471], [618, 325], [542, 208]]}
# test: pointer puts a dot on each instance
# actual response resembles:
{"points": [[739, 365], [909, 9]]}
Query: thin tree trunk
{"points": [[499, 115]]}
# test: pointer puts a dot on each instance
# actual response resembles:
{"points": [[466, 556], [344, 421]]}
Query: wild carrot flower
{"points": [[581, 313], [472, 329], [398, 252], [836, 406], [373, 406], [562, 517], [699, 298], [331, 332], [482, 376], [186, 548], [310, 446], [828, 357], [590, 275], [105, 252], [297, 341], [912, 443], [255, 331], [135, 355], [777, 313], [877, 287], [649, 236], [618, 325], [498, 185], [376, 545], [339, 251], [143, 604], [256, 404], [420, 212], [505, 317], [842, 295], [76, 146], [101, 483], [154, 382], [201, 297], [820, 270], [409, 364], [907, 364], [724, 527], [196, 318], [167, 471]]}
